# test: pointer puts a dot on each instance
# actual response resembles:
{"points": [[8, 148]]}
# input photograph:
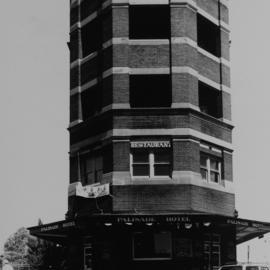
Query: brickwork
{"points": [[120, 21], [121, 88], [183, 22], [226, 105], [228, 168], [209, 68], [210, 6], [149, 56], [185, 89], [121, 152], [184, 55], [160, 198], [74, 77], [224, 13], [147, 121], [110, 64], [226, 79], [75, 107], [186, 156], [225, 44]]}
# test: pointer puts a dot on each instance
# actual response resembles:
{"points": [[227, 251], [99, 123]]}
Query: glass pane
{"points": [[140, 170], [215, 248], [162, 169], [152, 245], [143, 245], [234, 267], [203, 161], [162, 157], [90, 178], [99, 175], [204, 174], [252, 268], [140, 157], [214, 164], [214, 177], [215, 260], [162, 244]]}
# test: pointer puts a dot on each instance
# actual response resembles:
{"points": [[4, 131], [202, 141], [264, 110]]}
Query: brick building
{"points": [[151, 182]]}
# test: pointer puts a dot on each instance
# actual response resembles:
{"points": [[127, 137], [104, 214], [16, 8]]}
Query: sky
{"points": [[34, 93]]}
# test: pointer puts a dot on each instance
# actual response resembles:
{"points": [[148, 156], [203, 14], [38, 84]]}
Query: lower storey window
{"points": [[210, 168], [152, 245], [212, 252], [151, 163], [91, 168]]}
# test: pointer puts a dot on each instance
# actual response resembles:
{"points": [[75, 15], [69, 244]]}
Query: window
{"points": [[142, 27], [150, 91], [91, 168], [151, 163], [210, 100], [91, 37], [88, 253], [211, 252], [208, 35], [210, 168], [152, 245], [91, 101]]}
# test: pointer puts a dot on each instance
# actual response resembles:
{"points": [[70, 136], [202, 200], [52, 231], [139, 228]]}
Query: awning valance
{"points": [[59, 231]]}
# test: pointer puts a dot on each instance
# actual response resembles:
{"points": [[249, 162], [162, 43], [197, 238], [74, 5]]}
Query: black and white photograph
{"points": [[134, 135]]}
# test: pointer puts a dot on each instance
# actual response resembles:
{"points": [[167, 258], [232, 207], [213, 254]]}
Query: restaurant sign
{"points": [[151, 144]]}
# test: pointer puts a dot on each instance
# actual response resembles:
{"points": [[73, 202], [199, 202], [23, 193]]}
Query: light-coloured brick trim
{"points": [[74, 123], [149, 2], [174, 40], [184, 105], [191, 3], [175, 69], [88, 19], [116, 106], [152, 132], [195, 179]]}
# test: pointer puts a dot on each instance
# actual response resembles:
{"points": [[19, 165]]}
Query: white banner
{"points": [[91, 191]]}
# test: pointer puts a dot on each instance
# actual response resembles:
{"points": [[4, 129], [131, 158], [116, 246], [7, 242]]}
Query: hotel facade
{"points": [[151, 176]]}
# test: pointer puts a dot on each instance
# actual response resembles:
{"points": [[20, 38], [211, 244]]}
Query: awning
{"points": [[60, 231]]}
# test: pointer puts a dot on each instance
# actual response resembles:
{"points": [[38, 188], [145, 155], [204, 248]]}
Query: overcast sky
{"points": [[34, 92]]}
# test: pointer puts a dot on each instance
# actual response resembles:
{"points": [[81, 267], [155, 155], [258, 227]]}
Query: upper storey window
{"points": [[151, 159], [208, 35], [150, 91], [91, 37], [149, 22], [210, 100]]}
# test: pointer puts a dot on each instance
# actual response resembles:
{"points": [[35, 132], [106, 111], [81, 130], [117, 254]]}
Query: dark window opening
{"points": [[147, 245], [210, 100], [150, 91], [149, 21], [91, 101], [208, 35], [91, 168], [91, 37]]}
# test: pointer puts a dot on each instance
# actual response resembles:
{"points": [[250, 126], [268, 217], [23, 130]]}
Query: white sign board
{"points": [[89, 191]]}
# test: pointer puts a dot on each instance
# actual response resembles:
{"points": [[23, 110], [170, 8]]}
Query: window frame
{"points": [[96, 168], [151, 153], [210, 170]]}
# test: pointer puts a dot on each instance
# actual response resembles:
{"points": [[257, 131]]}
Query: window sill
{"points": [[151, 180]]}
